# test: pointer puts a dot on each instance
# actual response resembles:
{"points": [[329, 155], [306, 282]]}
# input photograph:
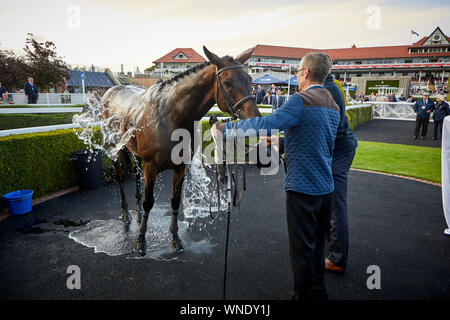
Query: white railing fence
{"points": [[393, 110], [47, 98]]}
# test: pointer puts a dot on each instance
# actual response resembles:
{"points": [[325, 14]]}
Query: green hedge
{"points": [[358, 116], [26, 120], [355, 116], [39, 161]]}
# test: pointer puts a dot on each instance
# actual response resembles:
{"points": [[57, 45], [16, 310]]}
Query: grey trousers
{"points": [[339, 221]]}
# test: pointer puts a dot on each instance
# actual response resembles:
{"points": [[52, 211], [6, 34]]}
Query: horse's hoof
{"points": [[140, 247], [125, 217], [177, 246]]}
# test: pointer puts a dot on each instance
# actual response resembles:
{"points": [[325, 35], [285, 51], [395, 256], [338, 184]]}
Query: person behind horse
{"points": [[267, 99], [441, 110], [277, 101], [273, 89], [423, 107], [343, 154], [31, 91], [310, 120], [260, 93]]}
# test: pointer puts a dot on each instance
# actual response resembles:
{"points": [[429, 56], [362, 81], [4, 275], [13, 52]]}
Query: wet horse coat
{"points": [[150, 116]]}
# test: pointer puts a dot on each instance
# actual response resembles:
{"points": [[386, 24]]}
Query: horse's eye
{"points": [[227, 83]]}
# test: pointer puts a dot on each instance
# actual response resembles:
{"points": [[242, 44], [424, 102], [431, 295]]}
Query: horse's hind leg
{"points": [[177, 184], [150, 174], [119, 173], [137, 172]]}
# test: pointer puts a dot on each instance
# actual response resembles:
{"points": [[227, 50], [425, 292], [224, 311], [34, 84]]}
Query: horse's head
{"points": [[233, 85]]}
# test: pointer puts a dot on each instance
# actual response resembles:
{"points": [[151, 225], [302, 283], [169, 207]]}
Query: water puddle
{"points": [[115, 238]]}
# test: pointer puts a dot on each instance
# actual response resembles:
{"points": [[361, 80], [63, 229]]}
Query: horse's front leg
{"points": [[137, 172], [119, 173], [177, 185], [150, 174]]}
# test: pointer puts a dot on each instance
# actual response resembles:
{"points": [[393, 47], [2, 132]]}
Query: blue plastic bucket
{"points": [[19, 202]]}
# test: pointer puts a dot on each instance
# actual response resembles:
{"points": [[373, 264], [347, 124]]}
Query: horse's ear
{"points": [[244, 57], [214, 59]]}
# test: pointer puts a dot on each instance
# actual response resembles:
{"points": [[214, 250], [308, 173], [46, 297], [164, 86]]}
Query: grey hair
{"points": [[319, 65]]}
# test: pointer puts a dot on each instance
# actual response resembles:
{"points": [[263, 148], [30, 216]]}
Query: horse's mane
{"points": [[183, 74], [189, 71]]}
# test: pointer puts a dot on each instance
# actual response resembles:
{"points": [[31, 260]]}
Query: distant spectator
{"points": [[267, 99], [423, 107], [402, 97], [392, 98], [3, 93], [260, 93], [31, 91], [410, 99], [441, 110], [277, 100], [273, 89]]}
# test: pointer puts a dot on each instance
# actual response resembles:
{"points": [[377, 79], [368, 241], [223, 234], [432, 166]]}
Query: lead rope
{"points": [[231, 199]]}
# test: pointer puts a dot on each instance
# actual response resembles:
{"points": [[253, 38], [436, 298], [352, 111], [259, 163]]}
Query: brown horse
{"points": [[153, 114]]}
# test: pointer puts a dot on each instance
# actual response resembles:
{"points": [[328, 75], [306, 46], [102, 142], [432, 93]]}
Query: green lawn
{"points": [[412, 161]]}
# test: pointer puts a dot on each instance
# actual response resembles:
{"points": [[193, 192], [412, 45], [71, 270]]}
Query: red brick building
{"points": [[409, 64], [178, 60]]}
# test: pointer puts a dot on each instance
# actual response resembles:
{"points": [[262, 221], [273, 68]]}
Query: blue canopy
{"points": [[267, 79], [294, 81]]}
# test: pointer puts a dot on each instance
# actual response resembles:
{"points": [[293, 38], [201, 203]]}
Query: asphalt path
{"points": [[395, 224], [395, 131]]}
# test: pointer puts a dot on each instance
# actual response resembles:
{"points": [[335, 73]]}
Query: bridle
{"points": [[233, 109]]}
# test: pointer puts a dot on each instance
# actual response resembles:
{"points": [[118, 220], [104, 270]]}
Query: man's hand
{"points": [[217, 126], [272, 140], [429, 111]]}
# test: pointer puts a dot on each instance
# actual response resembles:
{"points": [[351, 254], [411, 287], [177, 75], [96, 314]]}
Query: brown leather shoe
{"points": [[332, 267]]}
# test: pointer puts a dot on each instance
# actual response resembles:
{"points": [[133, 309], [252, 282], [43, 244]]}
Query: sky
{"points": [[108, 33]]}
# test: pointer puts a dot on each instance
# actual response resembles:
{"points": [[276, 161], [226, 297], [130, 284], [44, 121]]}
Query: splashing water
{"points": [[112, 134], [196, 191]]}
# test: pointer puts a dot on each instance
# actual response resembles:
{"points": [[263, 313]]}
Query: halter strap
{"points": [[232, 108]]}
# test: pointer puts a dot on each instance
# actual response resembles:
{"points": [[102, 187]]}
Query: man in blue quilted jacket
{"points": [[310, 120]]}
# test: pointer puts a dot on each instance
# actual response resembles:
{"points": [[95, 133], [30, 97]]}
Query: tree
{"points": [[46, 67], [150, 69], [13, 70]]}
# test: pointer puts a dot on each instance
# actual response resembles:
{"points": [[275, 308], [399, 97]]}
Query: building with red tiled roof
{"points": [[178, 60], [430, 56]]}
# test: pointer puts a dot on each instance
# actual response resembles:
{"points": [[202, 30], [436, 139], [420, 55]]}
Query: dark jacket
{"points": [[2, 91], [277, 102], [441, 111], [30, 89], [421, 109], [267, 100], [345, 139], [260, 96]]}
